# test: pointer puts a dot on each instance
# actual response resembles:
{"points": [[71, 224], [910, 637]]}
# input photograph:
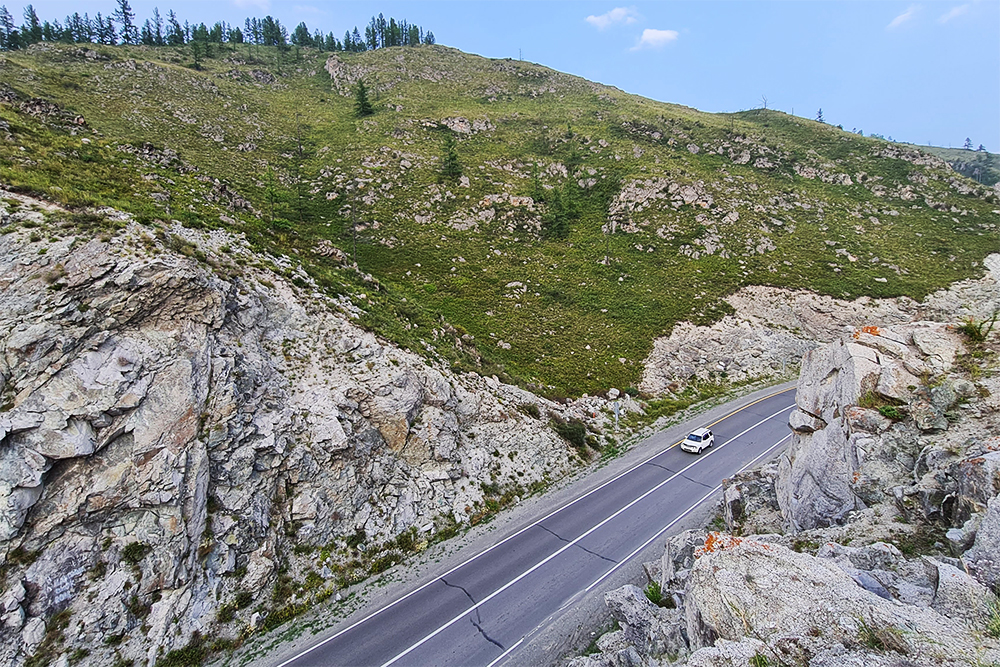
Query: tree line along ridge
{"points": [[122, 27]]}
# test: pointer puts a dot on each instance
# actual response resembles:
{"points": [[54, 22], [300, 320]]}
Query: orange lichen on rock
{"points": [[716, 542], [869, 329]]}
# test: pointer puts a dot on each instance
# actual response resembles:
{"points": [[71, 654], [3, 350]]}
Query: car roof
{"points": [[700, 431]]}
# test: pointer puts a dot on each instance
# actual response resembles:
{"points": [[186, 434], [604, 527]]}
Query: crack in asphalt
{"points": [[674, 472], [478, 619], [578, 545], [487, 637]]}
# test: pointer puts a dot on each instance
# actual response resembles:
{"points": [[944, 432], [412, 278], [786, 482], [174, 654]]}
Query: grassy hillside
{"points": [[586, 223], [980, 166]]}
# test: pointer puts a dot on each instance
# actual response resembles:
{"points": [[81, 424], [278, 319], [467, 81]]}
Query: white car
{"points": [[699, 440]]}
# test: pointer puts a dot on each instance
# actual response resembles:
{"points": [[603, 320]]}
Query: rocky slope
{"points": [[872, 541], [771, 328], [191, 446], [585, 222]]}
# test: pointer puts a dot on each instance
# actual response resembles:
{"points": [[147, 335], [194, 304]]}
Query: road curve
{"points": [[480, 611]]}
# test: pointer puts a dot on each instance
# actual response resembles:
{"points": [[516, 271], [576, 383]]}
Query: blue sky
{"points": [[924, 72]]}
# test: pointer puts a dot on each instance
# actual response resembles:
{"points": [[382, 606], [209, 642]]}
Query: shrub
{"points": [[226, 613], [189, 656], [655, 595], [892, 412], [135, 551], [873, 400], [574, 431], [978, 332], [385, 562], [531, 409], [407, 540], [357, 538], [993, 618]]}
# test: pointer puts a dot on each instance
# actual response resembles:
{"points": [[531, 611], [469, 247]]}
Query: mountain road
{"points": [[488, 604]]}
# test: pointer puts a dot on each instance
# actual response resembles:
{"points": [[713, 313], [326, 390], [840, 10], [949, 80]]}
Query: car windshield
{"points": [[695, 437]]}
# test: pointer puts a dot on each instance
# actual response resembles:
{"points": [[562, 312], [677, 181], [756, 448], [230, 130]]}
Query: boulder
{"points": [[939, 344], [983, 559], [678, 557], [650, 629], [725, 653], [32, 634], [956, 594], [749, 503], [743, 588]]}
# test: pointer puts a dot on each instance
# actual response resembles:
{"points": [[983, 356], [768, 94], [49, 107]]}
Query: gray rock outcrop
{"points": [[772, 328], [172, 427], [836, 463], [882, 521], [983, 559]]}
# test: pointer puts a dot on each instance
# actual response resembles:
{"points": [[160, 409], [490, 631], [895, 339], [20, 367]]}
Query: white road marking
{"points": [[519, 532], [645, 544], [686, 512], [507, 652], [572, 543]]}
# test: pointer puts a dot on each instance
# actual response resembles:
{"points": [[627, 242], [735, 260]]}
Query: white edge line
{"points": [[686, 512], [644, 545], [528, 527], [508, 651], [571, 544]]}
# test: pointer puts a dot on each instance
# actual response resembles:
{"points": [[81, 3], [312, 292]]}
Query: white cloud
{"points": [[617, 15], [262, 5], [954, 13], [903, 18], [655, 39]]}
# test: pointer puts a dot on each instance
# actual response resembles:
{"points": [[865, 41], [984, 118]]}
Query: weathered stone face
{"points": [[843, 457], [749, 589], [220, 422], [772, 328]]}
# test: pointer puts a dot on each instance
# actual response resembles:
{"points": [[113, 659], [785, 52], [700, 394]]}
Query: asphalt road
{"points": [[480, 611]]}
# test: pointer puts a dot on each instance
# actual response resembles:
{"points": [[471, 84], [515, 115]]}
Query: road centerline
{"points": [[570, 544], [637, 550], [535, 523]]}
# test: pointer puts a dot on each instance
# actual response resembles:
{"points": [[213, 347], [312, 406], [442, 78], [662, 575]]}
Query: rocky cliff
{"points": [[191, 446], [873, 540], [771, 328]]}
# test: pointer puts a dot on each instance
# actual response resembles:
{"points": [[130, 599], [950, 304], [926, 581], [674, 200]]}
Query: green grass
{"points": [[880, 638], [295, 167]]}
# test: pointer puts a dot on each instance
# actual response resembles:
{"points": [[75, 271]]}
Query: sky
{"points": [[924, 72]]}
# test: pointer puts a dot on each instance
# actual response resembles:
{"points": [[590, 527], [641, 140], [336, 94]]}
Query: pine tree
{"points": [[301, 36], [819, 115], [158, 28], [175, 33], [537, 190], [126, 18], [8, 34], [451, 168], [555, 221], [362, 106], [146, 37], [31, 31], [981, 149], [968, 144]]}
